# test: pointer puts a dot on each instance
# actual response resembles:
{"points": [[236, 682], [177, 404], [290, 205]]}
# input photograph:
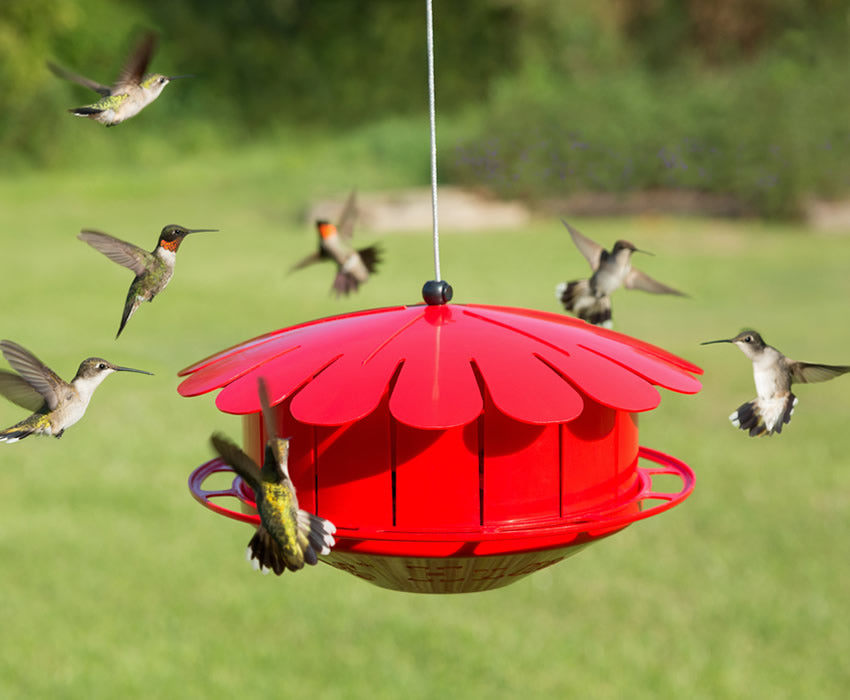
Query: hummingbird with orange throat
{"points": [[132, 92], [590, 299], [353, 267], [288, 537], [774, 373], [153, 270], [55, 403]]}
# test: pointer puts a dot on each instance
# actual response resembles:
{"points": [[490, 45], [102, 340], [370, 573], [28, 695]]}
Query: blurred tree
{"points": [[724, 31], [568, 94]]}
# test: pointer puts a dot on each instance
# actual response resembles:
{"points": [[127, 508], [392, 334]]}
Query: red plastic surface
{"points": [[543, 533], [435, 363]]}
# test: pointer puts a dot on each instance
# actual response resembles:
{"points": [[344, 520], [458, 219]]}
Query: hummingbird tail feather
{"points": [[370, 256], [764, 416], [577, 297], [249, 556], [129, 310], [265, 552], [85, 111], [15, 433], [345, 283], [319, 532], [31, 426]]}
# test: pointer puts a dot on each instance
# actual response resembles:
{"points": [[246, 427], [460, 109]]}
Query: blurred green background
{"points": [[745, 98], [116, 583]]}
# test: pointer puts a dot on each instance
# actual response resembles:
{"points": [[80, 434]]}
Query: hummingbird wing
{"points": [[19, 391], [265, 405], [639, 280], [119, 251], [65, 74], [241, 463], [591, 250], [345, 226], [808, 372], [276, 461], [309, 260], [136, 66], [37, 374]]}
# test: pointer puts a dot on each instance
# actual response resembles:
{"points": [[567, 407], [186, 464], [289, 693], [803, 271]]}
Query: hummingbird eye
{"points": [[748, 339], [101, 365]]}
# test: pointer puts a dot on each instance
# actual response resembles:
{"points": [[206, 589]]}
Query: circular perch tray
{"points": [[472, 559]]}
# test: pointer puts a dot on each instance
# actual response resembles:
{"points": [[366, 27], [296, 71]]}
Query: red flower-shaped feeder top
{"points": [[532, 363]]}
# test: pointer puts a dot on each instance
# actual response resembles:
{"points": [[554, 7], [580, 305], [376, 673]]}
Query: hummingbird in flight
{"points": [[288, 537], [56, 404], [153, 270], [590, 299], [132, 92], [774, 373], [353, 267]]}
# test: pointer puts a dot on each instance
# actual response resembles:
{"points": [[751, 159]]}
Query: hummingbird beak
{"points": [[711, 342], [177, 77], [645, 252], [201, 230], [130, 369]]}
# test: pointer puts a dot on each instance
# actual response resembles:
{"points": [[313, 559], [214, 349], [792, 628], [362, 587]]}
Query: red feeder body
{"points": [[458, 447]]}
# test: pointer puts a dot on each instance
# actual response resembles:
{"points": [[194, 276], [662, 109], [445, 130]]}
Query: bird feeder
{"points": [[455, 447]]}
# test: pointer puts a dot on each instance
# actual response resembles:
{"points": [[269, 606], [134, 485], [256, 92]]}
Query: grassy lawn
{"points": [[115, 583]]}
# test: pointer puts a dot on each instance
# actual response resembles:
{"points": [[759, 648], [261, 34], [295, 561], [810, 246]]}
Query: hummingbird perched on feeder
{"points": [[590, 299], [153, 270], [287, 537], [132, 92], [774, 373], [56, 404], [335, 242]]}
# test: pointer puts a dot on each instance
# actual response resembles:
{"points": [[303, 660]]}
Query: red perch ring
{"points": [[456, 447]]}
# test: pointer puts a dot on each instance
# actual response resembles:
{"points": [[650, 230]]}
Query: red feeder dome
{"points": [[455, 447]]}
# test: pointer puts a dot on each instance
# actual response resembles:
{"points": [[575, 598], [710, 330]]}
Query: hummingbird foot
{"points": [[764, 416]]}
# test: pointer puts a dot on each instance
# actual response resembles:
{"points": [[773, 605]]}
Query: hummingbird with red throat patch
{"points": [[288, 537], [153, 270], [353, 267], [590, 299], [132, 91], [774, 373]]}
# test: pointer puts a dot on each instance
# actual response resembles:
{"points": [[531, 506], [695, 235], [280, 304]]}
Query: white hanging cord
{"points": [[430, 31]]}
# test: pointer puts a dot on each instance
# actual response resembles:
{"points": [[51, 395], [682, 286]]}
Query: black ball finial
{"points": [[436, 292]]}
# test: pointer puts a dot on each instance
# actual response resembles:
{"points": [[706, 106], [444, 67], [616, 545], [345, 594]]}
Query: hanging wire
{"points": [[430, 32]]}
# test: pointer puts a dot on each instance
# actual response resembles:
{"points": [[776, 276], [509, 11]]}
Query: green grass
{"points": [[115, 583]]}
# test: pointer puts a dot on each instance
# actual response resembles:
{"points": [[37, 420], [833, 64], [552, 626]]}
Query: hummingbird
{"points": [[353, 266], [153, 270], [287, 537], [590, 299], [56, 404], [132, 92], [774, 373]]}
